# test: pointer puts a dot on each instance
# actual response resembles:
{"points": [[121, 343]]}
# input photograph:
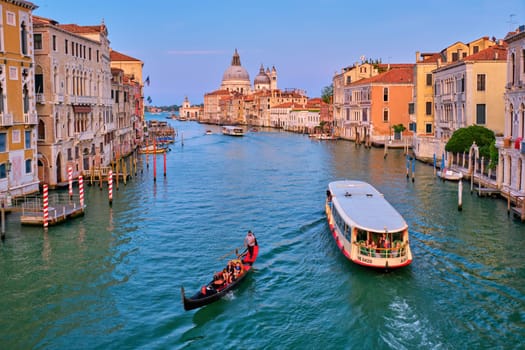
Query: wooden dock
{"points": [[55, 215], [61, 208]]}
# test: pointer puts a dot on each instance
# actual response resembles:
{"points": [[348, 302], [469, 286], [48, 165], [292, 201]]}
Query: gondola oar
{"points": [[228, 254]]}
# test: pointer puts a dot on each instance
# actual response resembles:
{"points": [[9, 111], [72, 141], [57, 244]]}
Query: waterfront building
{"points": [[511, 168], [190, 112], [123, 140], [130, 104], [469, 92], [377, 104], [74, 105], [212, 110], [341, 107], [18, 116], [422, 108]]}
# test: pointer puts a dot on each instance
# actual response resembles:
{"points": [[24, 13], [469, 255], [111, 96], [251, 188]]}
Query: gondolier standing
{"points": [[249, 242]]}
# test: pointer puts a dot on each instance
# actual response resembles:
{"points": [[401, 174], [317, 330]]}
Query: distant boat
{"points": [[158, 149], [232, 130], [367, 229], [209, 132], [449, 174], [325, 137]]}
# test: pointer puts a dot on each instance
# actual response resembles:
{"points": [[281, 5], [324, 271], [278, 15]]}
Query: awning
{"points": [[81, 109]]}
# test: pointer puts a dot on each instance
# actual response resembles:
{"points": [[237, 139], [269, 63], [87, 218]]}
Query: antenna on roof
{"points": [[511, 22]]}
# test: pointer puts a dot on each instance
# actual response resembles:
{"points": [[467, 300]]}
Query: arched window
{"points": [[23, 38], [1, 98], [39, 80], [25, 93], [513, 67], [41, 130]]}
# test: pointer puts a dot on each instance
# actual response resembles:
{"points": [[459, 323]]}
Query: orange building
{"points": [[378, 105]]}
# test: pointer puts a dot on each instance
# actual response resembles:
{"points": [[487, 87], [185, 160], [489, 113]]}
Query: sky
{"points": [[186, 45]]}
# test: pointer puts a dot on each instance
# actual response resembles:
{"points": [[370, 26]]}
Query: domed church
{"points": [[236, 78]]}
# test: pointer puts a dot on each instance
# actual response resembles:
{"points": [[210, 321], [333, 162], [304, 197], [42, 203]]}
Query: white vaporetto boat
{"points": [[366, 227], [232, 130]]}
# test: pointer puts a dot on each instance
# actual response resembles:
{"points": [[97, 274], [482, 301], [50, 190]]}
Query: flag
{"points": [[149, 99], [146, 82]]}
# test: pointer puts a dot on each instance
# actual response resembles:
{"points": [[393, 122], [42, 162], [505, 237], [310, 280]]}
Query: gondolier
{"points": [[250, 242]]}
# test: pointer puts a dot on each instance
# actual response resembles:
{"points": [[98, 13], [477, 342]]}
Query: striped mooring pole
{"points": [[110, 186], [46, 207], [81, 190]]}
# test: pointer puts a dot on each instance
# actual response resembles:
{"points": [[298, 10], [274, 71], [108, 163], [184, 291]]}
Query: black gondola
{"points": [[210, 293]]}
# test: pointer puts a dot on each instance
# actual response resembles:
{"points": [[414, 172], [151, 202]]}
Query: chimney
{"points": [[417, 56]]}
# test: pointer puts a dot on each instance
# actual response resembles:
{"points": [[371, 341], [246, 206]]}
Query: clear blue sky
{"points": [[186, 45]]}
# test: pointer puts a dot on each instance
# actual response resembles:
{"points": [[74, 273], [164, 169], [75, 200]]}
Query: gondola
{"points": [[210, 293]]}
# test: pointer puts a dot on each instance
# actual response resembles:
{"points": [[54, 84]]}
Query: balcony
{"points": [[84, 136], [59, 98], [40, 98], [6, 119], [31, 118]]}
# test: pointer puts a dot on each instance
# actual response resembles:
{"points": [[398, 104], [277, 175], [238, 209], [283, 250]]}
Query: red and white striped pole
{"points": [[46, 206], [110, 186], [154, 161], [81, 191], [70, 179]]}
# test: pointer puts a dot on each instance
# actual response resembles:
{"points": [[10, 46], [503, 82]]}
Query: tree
{"points": [[327, 93], [462, 140]]}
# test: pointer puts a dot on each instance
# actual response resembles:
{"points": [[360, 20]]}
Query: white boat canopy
{"points": [[362, 206]]}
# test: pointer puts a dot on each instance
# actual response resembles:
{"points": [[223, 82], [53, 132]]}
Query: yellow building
{"points": [[18, 116], [422, 108]]}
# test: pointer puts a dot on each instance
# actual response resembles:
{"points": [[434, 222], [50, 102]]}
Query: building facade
{"points": [[18, 115], [511, 147], [75, 108]]}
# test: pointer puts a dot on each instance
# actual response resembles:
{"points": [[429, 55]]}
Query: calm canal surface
{"points": [[111, 280]]}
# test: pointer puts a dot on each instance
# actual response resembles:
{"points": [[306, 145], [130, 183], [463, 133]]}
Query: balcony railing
{"points": [[59, 98], [6, 119], [40, 98], [84, 136], [31, 118]]}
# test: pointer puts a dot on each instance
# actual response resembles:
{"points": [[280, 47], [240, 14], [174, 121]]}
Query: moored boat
{"points": [[154, 149], [220, 286], [449, 174], [366, 227], [232, 130]]}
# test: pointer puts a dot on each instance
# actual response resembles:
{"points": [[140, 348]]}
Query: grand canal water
{"points": [[111, 280]]}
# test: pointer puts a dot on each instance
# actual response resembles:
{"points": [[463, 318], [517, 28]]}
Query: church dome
{"points": [[262, 77], [235, 72]]}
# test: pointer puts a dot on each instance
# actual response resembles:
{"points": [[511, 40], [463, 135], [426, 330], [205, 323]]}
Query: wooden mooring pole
{"points": [[2, 233], [460, 194]]}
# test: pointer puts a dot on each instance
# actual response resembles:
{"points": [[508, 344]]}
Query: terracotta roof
{"points": [[117, 56], [431, 57], [75, 28], [493, 53], [393, 76], [43, 20]]}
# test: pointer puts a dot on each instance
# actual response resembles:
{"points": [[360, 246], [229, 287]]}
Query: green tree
{"points": [[327, 93], [462, 140]]}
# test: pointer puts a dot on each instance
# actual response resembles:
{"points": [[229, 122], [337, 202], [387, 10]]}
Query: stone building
{"points": [[511, 146], [18, 116], [75, 108]]}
